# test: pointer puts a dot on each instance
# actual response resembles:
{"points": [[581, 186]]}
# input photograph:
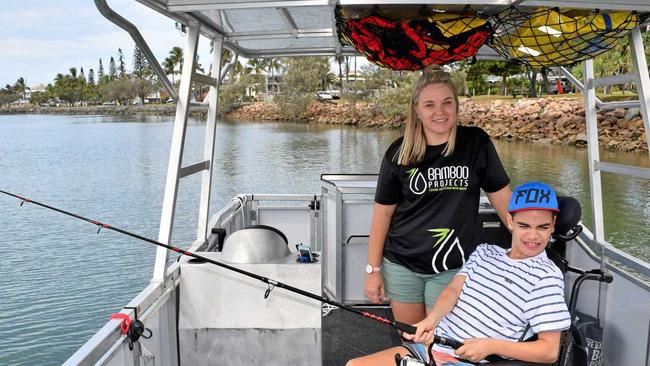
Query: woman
{"points": [[426, 203]]}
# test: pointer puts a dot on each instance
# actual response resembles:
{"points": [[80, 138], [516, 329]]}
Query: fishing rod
{"points": [[270, 282]]}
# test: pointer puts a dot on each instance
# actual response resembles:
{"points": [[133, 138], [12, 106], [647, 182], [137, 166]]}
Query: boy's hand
{"points": [[476, 349], [424, 333]]}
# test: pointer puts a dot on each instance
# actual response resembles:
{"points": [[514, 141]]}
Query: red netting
{"points": [[414, 42]]}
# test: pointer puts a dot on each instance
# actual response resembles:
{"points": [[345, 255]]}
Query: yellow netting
{"points": [[549, 37]]}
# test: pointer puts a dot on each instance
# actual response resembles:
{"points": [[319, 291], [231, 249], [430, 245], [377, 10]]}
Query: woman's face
{"points": [[436, 108]]}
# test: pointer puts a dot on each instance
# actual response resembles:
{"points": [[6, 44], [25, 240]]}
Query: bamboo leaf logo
{"points": [[412, 171], [441, 234]]}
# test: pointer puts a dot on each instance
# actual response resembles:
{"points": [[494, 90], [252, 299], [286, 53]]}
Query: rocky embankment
{"points": [[550, 120]]}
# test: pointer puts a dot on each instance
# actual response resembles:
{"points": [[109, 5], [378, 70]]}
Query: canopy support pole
{"points": [[176, 153], [210, 134], [591, 119], [640, 66]]}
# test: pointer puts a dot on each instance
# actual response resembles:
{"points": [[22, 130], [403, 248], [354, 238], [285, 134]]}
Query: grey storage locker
{"points": [[346, 206]]}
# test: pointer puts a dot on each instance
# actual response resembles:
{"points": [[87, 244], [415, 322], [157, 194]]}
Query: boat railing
{"points": [[294, 214], [108, 346], [625, 264], [622, 307]]}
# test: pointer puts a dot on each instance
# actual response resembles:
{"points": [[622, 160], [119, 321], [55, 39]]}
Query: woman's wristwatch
{"points": [[371, 269]]}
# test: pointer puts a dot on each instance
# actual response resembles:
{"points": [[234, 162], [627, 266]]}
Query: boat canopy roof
{"points": [[278, 28]]}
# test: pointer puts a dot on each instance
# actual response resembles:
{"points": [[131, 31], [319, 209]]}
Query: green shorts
{"points": [[404, 285]]}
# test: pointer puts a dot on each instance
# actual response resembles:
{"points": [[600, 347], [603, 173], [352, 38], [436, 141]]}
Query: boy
{"points": [[488, 304]]}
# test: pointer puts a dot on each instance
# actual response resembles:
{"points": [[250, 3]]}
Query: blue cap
{"points": [[533, 196]]}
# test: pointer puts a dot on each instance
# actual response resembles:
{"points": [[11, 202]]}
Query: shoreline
{"points": [[541, 120], [110, 110]]}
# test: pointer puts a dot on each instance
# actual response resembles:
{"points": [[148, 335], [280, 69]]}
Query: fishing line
{"points": [[270, 282]]}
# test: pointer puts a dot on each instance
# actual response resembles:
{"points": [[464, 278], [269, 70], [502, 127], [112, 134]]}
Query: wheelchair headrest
{"points": [[566, 224]]}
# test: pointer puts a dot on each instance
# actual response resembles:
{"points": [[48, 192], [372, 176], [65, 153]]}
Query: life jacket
{"points": [[548, 37], [415, 43]]}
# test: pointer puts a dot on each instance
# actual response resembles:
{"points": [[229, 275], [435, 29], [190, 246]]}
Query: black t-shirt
{"points": [[437, 201]]}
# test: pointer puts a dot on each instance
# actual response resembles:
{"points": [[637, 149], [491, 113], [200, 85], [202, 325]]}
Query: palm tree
{"points": [[256, 66], [339, 60], [19, 87], [347, 70], [328, 80], [175, 58], [168, 67], [176, 54], [237, 69], [226, 54], [272, 65]]}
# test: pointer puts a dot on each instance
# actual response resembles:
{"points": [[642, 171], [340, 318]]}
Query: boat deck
{"points": [[346, 335]]}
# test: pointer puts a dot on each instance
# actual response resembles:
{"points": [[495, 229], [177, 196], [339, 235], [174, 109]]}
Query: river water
{"points": [[61, 281]]}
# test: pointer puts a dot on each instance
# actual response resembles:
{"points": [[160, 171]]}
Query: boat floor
{"points": [[346, 335]]}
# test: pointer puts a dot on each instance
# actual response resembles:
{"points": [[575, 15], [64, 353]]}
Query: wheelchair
{"points": [[573, 350]]}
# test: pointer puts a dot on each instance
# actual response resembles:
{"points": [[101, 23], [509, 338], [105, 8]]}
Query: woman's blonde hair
{"points": [[414, 144]]}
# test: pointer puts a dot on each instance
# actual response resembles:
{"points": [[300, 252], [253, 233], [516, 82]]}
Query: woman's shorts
{"points": [[404, 285]]}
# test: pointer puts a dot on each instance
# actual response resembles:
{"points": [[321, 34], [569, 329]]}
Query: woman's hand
{"points": [[374, 288], [424, 333], [476, 349]]}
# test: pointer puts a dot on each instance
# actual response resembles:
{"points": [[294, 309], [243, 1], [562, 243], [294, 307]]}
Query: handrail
{"points": [[595, 249], [631, 171], [599, 103]]}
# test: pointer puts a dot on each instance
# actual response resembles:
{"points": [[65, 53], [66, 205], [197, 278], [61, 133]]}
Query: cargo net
{"points": [[549, 37], [407, 40]]}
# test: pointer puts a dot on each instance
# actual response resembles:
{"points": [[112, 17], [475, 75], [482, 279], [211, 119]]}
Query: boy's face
{"points": [[531, 231]]}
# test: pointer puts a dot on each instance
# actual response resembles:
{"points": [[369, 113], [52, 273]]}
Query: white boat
{"points": [[200, 314]]}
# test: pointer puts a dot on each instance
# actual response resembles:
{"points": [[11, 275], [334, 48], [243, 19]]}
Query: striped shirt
{"points": [[501, 295]]}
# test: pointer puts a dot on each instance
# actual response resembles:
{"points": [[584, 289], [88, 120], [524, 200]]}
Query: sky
{"points": [[40, 38]]}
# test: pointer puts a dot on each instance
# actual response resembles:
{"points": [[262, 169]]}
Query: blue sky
{"points": [[40, 38]]}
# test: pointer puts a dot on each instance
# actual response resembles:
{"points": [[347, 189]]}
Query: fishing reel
{"points": [[410, 360]]}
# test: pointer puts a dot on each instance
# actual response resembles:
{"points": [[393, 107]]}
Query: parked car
{"points": [[324, 95]]}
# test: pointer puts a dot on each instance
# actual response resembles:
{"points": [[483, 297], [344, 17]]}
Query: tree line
{"points": [[117, 84], [294, 81]]}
